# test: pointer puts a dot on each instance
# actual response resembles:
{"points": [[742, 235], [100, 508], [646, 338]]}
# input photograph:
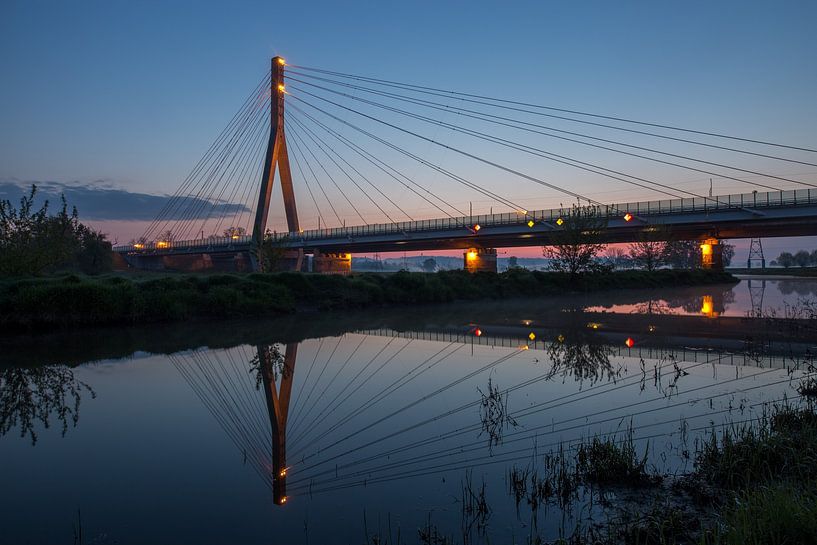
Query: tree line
{"points": [[578, 246], [801, 258], [33, 241]]}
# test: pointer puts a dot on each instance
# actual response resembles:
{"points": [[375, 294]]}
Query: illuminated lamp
{"points": [[629, 343], [477, 227], [478, 332], [531, 223], [628, 216], [559, 221], [532, 336]]}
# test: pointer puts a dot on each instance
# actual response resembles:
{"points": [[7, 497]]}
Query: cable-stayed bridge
{"points": [[368, 158], [339, 411]]}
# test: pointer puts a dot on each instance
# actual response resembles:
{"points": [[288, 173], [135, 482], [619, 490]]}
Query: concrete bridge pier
{"points": [[712, 254], [332, 263], [479, 260]]}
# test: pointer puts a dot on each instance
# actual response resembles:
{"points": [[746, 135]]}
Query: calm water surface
{"points": [[340, 428]]}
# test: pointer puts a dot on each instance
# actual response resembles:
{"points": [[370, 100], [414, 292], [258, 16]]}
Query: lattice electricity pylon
{"points": [[756, 254], [757, 289]]}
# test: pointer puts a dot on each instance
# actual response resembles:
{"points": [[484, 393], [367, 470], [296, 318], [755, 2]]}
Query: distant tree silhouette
{"points": [[577, 242], [430, 265]]}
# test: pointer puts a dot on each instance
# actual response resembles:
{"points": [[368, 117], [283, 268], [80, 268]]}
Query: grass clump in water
{"points": [[610, 462]]}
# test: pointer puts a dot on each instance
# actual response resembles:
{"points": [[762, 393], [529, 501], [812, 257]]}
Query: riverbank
{"points": [[71, 300]]}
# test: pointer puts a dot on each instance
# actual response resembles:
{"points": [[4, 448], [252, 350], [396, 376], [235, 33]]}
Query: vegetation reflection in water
{"points": [[579, 430]]}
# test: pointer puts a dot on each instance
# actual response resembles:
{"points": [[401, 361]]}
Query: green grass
{"points": [[31, 303]]}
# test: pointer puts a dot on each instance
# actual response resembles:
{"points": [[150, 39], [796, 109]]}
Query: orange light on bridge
{"points": [[532, 336], [282, 88], [162, 244], [478, 332], [559, 221], [594, 325], [531, 223], [281, 61], [234, 237], [706, 249], [629, 343], [138, 245], [477, 227], [628, 216]]}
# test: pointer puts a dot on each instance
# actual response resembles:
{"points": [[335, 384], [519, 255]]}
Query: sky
{"points": [[114, 102]]}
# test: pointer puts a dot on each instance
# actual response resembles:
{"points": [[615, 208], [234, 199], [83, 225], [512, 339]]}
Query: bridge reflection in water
{"points": [[249, 389]]}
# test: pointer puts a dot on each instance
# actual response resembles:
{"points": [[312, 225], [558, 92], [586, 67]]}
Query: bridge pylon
{"points": [[276, 155], [278, 408]]}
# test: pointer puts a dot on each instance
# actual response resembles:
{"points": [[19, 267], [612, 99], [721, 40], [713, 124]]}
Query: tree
{"points": [[727, 253], [430, 265], [31, 396], [271, 251], [33, 242], [576, 243], [785, 259], [802, 258], [234, 232], [513, 262], [683, 254], [617, 257], [650, 251]]}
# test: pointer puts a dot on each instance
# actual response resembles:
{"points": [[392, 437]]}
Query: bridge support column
{"points": [[332, 263], [712, 254], [479, 260]]}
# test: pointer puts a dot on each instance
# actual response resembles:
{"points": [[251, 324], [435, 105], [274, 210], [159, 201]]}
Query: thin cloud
{"points": [[102, 201]]}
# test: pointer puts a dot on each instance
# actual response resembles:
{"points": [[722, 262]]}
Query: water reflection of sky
{"points": [[178, 448], [750, 295]]}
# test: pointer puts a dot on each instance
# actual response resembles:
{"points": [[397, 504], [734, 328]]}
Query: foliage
{"points": [[683, 254], [271, 251], [430, 265], [234, 232], [577, 242], [33, 242], [32, 395], [513, 262], [650, 251], [75, 300], [612, 461]]}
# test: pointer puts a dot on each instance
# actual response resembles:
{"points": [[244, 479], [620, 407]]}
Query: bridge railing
{"points": [[642, 208], [613, 211]]}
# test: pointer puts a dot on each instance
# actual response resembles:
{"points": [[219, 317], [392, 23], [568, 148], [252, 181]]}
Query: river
{"points": [[398, 425]]}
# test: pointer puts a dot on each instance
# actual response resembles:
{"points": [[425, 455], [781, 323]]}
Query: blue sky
{"points": [[130, 94]]}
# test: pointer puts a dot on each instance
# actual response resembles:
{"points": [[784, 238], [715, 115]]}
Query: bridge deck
{"points": [[779, 213]]}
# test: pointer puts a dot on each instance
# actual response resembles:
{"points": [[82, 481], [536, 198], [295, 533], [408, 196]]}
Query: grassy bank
{"points": [[73, 300]]}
